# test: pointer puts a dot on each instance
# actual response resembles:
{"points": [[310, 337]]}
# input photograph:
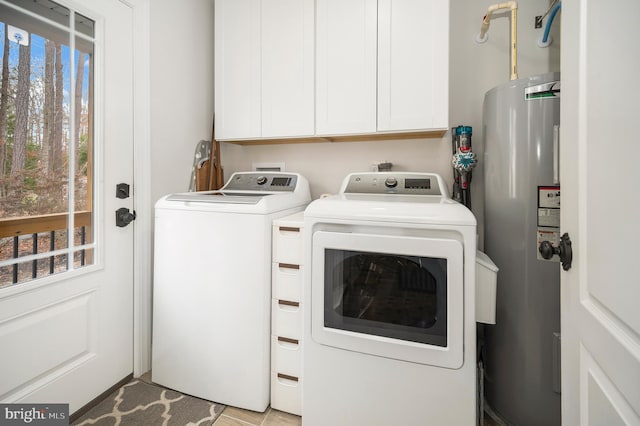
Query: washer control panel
{"points": [[393, 183], [262, 181]]}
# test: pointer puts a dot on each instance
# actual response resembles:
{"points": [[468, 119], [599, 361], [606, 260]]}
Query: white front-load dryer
{"points": [[390, 335], [212, 287]]}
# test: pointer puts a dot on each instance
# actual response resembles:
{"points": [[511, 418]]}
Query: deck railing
{"points": [[20, 228]]}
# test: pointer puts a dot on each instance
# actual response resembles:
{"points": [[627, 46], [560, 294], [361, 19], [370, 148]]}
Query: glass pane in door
{"points": [[46, 140]]}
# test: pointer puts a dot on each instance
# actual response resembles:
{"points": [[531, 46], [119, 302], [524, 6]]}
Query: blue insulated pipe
{"points": [[552, 15]]}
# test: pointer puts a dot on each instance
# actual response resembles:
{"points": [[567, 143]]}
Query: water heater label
{"points": [[549, 206], [549, 197], [549, 217]]}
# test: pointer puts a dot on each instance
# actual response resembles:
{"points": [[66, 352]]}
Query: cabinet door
{"points": [[237, 69], [413, 64], [287, 67], [346, 66]]}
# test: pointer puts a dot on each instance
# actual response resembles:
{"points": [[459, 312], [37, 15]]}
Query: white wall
{"points": [[474, 69], [181, 83]]}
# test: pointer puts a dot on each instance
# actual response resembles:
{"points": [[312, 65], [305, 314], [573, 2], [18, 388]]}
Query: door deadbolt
{"points": [[124, 217], [122, 190]]}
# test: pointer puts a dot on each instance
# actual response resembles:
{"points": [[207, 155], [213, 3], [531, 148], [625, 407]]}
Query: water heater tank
{"points": [[522, 201]]}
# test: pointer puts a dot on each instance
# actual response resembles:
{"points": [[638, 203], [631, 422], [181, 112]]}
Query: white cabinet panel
{"points": [[264, 68], [296, 68], [286, 356], [286, 319], [288, 244], [286, 393], [287, 314], [237, 69], [346, 66], [287, 67], [287, 281], [413, 64]]}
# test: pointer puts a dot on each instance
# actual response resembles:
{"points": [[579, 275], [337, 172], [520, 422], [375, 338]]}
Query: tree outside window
{"points": [[46, 137]]}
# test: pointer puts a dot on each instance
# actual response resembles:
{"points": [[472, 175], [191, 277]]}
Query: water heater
{"points": [[522, 209]]}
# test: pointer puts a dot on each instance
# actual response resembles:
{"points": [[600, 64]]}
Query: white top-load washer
{"points": [[390, 336], [212, 287]]}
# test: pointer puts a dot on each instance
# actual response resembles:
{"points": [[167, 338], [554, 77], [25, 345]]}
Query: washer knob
{"points": [[261, 180], [391, 182]]}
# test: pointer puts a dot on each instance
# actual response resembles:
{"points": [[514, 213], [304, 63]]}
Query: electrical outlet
{"points": [[538, 22], [269, 167]]}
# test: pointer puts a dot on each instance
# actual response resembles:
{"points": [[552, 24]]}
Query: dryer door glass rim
{"points": [[446, 353], [396, 296]]}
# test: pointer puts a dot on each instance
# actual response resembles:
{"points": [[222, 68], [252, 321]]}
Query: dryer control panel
{"points": [[394, 183]]}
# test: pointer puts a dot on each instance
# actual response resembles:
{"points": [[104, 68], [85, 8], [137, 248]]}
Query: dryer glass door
{"points": [[389, 295]]}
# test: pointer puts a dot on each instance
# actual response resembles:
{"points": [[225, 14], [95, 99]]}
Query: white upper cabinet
{"points": [[382, 66], [264, 68], [237, 69], [346, 66], [287, 67], [413, 65], [300, 68]]}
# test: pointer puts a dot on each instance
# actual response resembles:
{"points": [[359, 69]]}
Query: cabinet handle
{"points": [[288, 303], [289, 229], [287, 377], [288, 266], [288, 340]]}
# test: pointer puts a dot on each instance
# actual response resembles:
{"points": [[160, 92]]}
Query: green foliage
{"points": [[32, 161], [43, 186], [83, 154]]}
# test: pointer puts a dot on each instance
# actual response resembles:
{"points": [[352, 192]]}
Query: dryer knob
{"points": [[391, 182], [261, 180]]}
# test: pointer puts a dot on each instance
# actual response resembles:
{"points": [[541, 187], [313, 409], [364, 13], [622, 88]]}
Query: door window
{"points": [[46, 140]]}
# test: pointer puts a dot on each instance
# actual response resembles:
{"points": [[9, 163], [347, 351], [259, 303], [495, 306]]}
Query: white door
{"points": [[68, 337], [600, 294]]}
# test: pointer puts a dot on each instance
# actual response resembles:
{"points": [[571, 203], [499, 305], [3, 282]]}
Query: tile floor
{"points": [[232, 416]]}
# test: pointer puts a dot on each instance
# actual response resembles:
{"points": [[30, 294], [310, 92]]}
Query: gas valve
{"points": [[547, 250]]}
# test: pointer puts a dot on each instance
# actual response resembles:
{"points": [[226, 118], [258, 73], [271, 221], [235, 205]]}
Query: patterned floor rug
{"points": [[143, 404]]}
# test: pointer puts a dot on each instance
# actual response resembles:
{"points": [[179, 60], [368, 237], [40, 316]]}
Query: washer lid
{"points": [[245, 192], [218, 197]]}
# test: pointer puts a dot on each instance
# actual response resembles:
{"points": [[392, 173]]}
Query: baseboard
{"points": [[95, 401]]}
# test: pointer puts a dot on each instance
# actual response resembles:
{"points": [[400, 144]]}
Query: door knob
{"points": [[124, 217], [547, 250]]}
